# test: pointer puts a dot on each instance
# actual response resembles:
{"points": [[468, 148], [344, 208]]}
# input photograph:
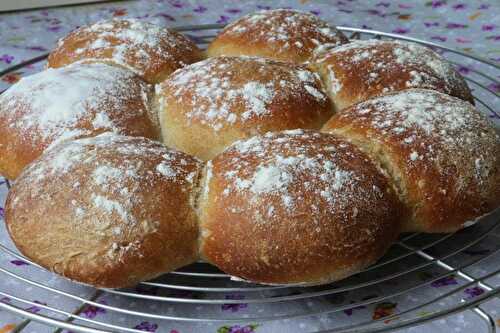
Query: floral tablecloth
{"points": [[469, 26]]}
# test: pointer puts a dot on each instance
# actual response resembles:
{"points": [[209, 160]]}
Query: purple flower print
{"points": [[263, 7], [494, 87], [473, 292], [446, 281], [464, 70], [7, 58], [483, 6], [19, 263], [234, 307], [436, 4], [2, 213], [5, 300], [401, 30], [364, 26], [431, 24], [345, 11], [176, 3], [456, 26], [223, 19], [488, 27], [147, 327], [34, 308], [439, 38], [237, 329], [459, 6], [200, 9], [315, 12], [383, 4], [91, 311], [233, 10]]}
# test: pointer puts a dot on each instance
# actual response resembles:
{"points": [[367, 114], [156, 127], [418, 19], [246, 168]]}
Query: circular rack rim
{"points": [[366, 326]]}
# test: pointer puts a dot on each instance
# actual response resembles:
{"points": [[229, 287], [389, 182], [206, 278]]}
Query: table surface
{"points": [[469, 26]]}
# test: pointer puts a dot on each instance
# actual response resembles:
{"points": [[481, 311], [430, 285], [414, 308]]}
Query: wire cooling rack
{"points": [[466, 264]]}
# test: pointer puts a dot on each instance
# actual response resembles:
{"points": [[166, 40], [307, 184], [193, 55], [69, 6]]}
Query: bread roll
{"points": [[108, 211], [206, 106], [80, 100], [363, 69], [295, 207], [442, 155], [148, 50], [281, 34]]}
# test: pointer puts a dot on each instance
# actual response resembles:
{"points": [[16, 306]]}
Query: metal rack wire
{"points": [[435, 257]]}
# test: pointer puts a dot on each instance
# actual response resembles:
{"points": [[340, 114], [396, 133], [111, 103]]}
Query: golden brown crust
{"points": [[108, 211], [363, 69], [76, 101], [280, 34], [295, 207], [442, 154], [148, 50], [206, 106]]}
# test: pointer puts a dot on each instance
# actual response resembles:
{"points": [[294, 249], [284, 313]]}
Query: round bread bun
{"points": [[442, 155], [107, 211], [363, 69], [150, 51], [281, 34], [76, 101], [295, 207], [208, 105]]}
